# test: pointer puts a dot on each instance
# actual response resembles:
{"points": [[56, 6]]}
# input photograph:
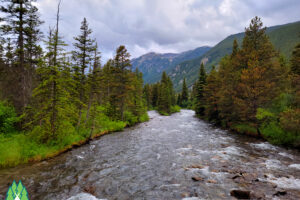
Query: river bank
{"points": [[21, 149]]}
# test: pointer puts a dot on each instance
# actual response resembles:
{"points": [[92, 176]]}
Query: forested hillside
{"points": [[153, 64], [51, 99], [283, 37]]}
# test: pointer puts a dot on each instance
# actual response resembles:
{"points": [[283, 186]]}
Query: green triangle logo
{"points": [[17, 192]]}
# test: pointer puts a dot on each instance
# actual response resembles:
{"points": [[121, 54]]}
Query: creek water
{"points": [[159, 159]]}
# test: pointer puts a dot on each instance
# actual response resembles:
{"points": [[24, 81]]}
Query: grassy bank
{"points": [[173, 109], [23, 147]]}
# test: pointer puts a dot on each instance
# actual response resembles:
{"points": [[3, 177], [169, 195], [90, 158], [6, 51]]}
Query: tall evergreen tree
{"points": [[21, 26], [200, 85], [121, 75], [84, 46], [211, 96], [295, 60], [184, 93], [53, 106], [164, 95], [260, 75], [147, 96], [93, 83]]}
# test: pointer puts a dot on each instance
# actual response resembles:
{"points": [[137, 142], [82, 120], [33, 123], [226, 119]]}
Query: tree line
{"points": [[161, 96], [255, 90], [49, 93]]}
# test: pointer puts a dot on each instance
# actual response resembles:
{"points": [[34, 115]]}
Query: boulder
{"points": [[196, 178], [240, 194]]}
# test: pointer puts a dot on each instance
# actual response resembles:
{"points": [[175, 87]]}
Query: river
{"points": [[168, 157]]}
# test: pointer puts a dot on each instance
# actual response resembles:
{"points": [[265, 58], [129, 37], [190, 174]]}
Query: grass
{"points": [[23, 147]]}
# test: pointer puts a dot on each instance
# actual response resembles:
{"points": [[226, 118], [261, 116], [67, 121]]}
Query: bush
{"points": [[276, 135], [144, 117], [245, 129], [8, 118], [290, 121], [130, 118], [175, 109]]}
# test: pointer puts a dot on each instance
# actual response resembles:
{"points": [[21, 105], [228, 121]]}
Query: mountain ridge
{"points": [[284, 38], [153, 64]]}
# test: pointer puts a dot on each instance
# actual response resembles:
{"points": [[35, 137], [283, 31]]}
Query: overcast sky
{"points": [[163, 25]]}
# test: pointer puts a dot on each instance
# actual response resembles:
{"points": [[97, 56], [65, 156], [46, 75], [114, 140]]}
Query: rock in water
{"points": [[240, 194], [194, 178]]}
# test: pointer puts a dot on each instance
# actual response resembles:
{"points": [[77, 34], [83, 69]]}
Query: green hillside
{"points": [[283, 37], [153, 64]]}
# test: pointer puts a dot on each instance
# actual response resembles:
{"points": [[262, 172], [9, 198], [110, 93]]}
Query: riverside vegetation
{"points": [[254, 91], [52, 99]]}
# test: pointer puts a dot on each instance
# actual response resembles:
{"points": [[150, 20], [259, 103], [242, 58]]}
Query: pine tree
{"points": [[20, 25], [147, 96], [199, 99], [33, 50], [84, 47], [164, 96], [235, 48], [120, 86], [211, 96], [261, 73], [137, 103], [184, 94], [155, 93], [94, 99], [179, 101], [295, 60], [93, 83], [54, 107]]}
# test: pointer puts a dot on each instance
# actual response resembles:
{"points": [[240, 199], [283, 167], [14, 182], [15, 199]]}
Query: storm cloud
{"points": [[163, 25]]}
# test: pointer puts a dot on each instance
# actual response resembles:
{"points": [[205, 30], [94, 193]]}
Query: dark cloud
{"points": [[164, 25]]}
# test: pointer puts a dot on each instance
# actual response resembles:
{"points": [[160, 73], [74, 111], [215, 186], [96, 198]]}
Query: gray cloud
{"points": [[163, 25]]}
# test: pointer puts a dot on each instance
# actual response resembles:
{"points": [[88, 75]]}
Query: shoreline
{"points": [[65, 149]]}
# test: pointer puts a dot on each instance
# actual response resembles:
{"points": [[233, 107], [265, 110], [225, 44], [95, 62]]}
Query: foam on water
{"points": [[170, 185], [158, 156], [286, 155], [264, 146], [84, 196], [295, 166], [79, 157], [232, 150], [284, 182], [271, 164]]}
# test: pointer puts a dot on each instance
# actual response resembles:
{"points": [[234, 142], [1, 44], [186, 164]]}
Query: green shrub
{"points": [[175, 109], [276, 135], [245, 129], [8, 118], [130, 118], [144, 117]]}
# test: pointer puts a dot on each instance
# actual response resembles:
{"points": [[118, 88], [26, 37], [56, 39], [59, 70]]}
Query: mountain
{"points": [[153, 64], [283, 37]]}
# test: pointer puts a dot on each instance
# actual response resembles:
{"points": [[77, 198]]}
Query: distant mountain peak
{"points": [[152, 63]]}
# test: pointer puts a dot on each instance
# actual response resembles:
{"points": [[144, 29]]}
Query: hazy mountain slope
{"points": [[153, 64], [283, 37]]}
